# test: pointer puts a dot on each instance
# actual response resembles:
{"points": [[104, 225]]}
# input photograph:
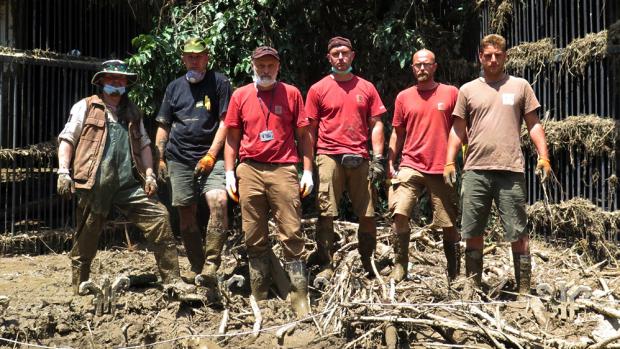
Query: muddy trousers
{"points": [[149, 215]]}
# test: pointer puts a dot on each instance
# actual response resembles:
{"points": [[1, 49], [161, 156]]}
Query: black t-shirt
{"points": [[193, 112]]}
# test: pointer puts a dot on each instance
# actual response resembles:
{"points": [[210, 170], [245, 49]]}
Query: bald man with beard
{"points": [[421, 125]]}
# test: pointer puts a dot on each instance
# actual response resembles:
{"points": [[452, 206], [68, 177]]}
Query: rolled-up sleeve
{"points": [[73, 128]]}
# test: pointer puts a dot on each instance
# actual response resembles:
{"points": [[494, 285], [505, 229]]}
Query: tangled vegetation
{"points": [[578, 220], [592, 134], [534, 55], [582, 51]]}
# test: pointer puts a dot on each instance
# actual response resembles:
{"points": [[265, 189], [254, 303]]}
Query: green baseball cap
{"points": [[194, 45]]}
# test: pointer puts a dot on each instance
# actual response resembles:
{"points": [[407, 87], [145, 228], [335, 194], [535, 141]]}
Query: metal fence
{"points": [[37, 90], [562, 94]]}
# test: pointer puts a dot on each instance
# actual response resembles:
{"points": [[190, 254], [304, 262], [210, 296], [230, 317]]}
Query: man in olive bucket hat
{"points": [[101, 143]]}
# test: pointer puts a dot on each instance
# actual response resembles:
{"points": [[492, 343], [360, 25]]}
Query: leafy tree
{"points": [[384, 35]]}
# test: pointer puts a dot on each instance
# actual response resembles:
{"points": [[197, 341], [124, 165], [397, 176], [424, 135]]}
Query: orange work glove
{"points": [[449, 174], [543, 169], [204, 166]]}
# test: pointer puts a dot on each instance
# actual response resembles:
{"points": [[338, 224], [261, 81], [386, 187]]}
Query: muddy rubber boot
{"points": [[80, 272], [192, 241], [366, 244], [167, 260], [259, 276], [473, 270], [216, 239], [325, 244], [452, 250], [401, 256], [523, 272], [299, 287]]}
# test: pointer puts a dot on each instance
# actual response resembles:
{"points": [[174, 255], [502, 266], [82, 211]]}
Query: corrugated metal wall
{"points": [[562, 94], [36, 94]]}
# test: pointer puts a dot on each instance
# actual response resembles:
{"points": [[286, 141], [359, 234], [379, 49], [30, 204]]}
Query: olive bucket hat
{"points": [[194, 45], [117, 67]]}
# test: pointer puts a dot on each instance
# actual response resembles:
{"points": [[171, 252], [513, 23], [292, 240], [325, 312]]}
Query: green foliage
{"points": [[384, 35]]}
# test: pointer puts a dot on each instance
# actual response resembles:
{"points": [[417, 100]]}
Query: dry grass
{"points": [[499, 14], [534, 55], [582, 51], [593, 230], [40, 151], [594, 135]]}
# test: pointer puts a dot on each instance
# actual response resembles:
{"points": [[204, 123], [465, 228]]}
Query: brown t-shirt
{"points": [[494, 113]]}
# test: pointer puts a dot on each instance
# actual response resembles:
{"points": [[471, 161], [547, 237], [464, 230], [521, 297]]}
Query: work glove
{"points": [[231, 185], [162, 170], [543, 169], [377, 168], [204, 166], [150, 185], [65, 185], [449, 174], [306, 184]]}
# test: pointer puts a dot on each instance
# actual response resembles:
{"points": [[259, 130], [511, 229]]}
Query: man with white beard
{"points": [[264, 119]]}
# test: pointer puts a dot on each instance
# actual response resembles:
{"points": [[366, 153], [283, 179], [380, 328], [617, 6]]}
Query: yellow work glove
{"points": [[543, 169], [204, 166], [449, 174]]}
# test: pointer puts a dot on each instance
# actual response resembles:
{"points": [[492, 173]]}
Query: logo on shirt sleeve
{"points": [[508, 98]]}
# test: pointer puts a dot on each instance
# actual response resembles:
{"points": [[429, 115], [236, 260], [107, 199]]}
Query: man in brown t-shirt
{"points": [[488, 113]]}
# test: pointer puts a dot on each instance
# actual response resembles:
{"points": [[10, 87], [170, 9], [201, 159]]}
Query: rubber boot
{"points": [[167, 260], [452, 250], [299, 287], [401, 256], [523, 272], [216, 238], [366, 245], [324, 245], [259, 276], [192, 240], [80, 272], [473, 270]]}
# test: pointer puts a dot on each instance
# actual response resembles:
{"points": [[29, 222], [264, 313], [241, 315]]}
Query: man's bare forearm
{"points": [[218, 140], [65, 154], [161, 139]]}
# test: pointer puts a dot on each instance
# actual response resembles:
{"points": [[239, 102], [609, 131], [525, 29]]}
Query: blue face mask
{"points": [[194, 76], [112, 90], [342, 72]]}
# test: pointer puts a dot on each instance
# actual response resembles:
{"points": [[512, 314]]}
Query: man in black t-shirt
{"points": [[189, 138]]}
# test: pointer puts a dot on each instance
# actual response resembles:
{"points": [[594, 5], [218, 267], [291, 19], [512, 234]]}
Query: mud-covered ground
{"points": [[42, 309]]}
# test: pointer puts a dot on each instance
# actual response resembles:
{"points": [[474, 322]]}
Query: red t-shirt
{"points": [[285, 108], [427, 119], [343, 110]]}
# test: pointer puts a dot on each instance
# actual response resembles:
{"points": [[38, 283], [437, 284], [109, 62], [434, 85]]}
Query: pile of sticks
{"points": [[427, 311]]}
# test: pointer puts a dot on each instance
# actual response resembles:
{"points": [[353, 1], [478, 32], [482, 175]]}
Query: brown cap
{"points": [[263, 51], [338, 41]]}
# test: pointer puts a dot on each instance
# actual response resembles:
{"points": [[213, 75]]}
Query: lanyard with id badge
{"points": [[267, 134]]}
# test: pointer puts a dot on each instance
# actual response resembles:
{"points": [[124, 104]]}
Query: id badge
{"points": [[266, 135]]}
